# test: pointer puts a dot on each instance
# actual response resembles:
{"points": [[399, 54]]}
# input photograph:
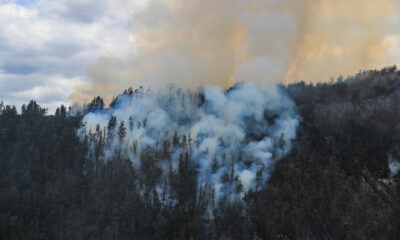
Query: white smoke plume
{"points": [[394, 165], [233, 137]]}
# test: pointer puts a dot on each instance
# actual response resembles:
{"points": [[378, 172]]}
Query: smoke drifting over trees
{"points": [[232, 138], [149, 165]]}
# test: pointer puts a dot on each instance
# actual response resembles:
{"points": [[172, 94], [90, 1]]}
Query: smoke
{"points": [[232, 137], [394, 165], [344, 37], [220, 42], [207, 42], [201, 42]]}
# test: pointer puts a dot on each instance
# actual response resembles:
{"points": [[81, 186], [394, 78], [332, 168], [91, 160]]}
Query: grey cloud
{"points": [[19, 69], [14, 83], [46, 47], [84, 11], [63, 48]]}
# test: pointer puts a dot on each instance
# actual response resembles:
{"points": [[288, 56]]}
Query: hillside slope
{"points": [[335, 183]]}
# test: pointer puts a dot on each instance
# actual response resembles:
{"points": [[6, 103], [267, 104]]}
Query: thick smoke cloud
{"points": [[208, 41], [198, 42], [344, 37], [233, 137]]}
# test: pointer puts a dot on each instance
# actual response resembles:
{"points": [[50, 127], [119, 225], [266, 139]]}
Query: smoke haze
{"points": [[343, 37], [394, 165], [215, 44], [204, 42], [232, 138]]}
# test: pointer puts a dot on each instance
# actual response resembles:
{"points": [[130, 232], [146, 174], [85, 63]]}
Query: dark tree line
{"points": [[334, 184]]}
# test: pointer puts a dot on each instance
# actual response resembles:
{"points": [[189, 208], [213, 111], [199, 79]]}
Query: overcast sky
{"points": [[53, 51], [46, 46]]}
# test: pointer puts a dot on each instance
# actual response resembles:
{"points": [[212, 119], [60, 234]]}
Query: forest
{"points": [[339, 180]]}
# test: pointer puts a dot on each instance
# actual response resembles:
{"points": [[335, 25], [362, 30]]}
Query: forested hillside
{"points": [[338, 181]]}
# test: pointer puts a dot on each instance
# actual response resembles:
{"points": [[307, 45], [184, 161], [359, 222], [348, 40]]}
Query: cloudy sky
{"points": [[46, 46], [63, 51]]}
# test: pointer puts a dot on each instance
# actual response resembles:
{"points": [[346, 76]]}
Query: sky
{"points": [[46, 46], [68, 51]]}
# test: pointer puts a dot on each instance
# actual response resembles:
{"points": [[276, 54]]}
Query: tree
{"points": [[96, 104], [121, 130]]}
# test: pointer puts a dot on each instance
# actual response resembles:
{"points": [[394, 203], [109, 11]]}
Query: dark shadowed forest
{"points": [[339, 180]]}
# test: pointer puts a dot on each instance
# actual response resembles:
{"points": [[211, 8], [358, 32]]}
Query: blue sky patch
{"points": [[25, 2]]}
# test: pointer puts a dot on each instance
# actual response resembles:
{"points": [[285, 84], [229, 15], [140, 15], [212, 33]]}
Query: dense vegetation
{"points": [[333, 185]]}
